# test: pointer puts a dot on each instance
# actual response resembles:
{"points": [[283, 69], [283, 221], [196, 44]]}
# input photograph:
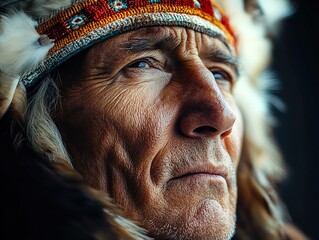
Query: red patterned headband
{"points": [[88, 22]]}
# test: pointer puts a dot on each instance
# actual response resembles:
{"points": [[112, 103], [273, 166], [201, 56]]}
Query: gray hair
{"points": [[41, 130]]}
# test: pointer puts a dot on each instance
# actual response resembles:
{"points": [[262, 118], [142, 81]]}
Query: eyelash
{"points": [[225, 76], [151, 62]]}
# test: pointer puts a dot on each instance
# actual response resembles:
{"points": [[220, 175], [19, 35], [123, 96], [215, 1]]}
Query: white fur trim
{"points": [[274, 11], [19, 46]]}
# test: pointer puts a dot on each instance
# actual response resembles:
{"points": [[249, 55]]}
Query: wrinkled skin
{"points": [[149, 117]]}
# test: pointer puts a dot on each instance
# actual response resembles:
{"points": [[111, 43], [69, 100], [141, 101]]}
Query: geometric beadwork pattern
{"points": [[90, 21]]}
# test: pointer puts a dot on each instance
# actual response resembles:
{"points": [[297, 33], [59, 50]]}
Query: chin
{"points": [[207, 221]]}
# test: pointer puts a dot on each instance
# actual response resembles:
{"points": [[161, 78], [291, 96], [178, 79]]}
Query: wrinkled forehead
{"points": [[163, 38], [167, 37]]}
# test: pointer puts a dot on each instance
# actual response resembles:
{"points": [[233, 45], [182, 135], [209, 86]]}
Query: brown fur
{"points": [[121, 228], [261, 214]]}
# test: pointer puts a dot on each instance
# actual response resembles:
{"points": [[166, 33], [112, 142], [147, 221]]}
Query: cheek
{"points": [[96, 126], [137, 111], [88, 135], [234, 141]]}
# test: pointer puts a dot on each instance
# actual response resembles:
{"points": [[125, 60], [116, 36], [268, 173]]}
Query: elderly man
{"points": [[124, 121]]}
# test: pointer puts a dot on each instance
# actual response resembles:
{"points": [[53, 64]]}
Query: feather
{"points": [[21, 48]]}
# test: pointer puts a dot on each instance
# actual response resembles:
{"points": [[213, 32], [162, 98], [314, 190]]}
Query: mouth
{"points": [[204, 181], [201, 173]]}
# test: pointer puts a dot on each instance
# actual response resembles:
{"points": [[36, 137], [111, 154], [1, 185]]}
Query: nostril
{"points": [[204, 130]]}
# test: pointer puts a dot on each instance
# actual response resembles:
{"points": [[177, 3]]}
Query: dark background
{"points": [[296, 64]]}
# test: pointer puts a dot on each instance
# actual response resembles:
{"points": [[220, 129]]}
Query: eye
{"points": [[224, 79], [143, 68], [139, 64], [221, 75]]}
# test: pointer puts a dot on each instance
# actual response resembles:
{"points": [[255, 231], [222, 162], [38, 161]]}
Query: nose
{"points": [[205, 112]]}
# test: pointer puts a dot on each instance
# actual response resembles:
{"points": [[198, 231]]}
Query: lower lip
{"points": [[198, 183]]}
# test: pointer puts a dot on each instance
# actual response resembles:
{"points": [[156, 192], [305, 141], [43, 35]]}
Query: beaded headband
{"points": [[87, 22]]}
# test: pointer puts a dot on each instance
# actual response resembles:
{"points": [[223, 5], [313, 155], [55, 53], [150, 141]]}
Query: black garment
{"points": [[38, 202]]}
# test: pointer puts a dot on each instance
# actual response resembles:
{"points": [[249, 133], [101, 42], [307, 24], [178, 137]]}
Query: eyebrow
{"points": [[140, 44], [155, 41], [222, 57]]}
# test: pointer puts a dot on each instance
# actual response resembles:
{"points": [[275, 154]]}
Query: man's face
{"points": [[149, 117]]}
